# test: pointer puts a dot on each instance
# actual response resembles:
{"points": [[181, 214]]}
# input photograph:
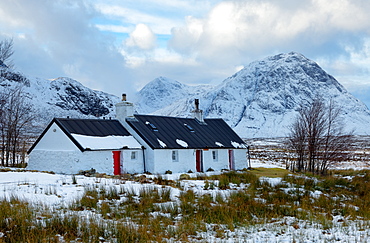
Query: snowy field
{"points": [[271, 152], [58, 191]]}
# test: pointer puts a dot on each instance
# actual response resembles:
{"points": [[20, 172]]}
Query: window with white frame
{"points": [[215, 155], [133, 155], [175, 156]]}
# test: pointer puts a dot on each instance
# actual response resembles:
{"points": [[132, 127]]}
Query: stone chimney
{"points": [[197, 113], [124, 109]]}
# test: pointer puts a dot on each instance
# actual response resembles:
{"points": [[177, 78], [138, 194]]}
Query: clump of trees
{"points": [[317, 138], [16, 114], [16, 120]]}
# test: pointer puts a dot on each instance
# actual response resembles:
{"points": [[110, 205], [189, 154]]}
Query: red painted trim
{"points": [[199, 160], [116, 162]]}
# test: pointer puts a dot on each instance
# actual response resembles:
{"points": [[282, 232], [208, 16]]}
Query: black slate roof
{"points": [[88, 127], [92, 127], [197, 135]]}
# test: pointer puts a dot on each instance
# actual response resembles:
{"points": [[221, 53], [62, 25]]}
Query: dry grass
{"points": [[269, 172], [152, 215]]}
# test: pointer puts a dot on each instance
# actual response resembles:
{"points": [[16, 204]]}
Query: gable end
{"points": [[64, 130]]}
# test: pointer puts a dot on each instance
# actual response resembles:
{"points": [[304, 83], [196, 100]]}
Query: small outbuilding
{"points": [[71, 145]]}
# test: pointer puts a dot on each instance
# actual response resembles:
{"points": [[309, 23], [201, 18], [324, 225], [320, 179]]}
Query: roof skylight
{"points": [[189, 127], [152, 126]]}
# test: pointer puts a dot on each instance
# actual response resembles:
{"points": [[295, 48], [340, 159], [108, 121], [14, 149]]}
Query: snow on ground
{"points": [[290, 229], [36, 187], [351, 165], [56, 191], [255, 163]]}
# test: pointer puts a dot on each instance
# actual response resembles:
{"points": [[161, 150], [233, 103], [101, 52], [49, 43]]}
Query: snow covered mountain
{"points": [[163, 92], [261, 100], [60, 97]]}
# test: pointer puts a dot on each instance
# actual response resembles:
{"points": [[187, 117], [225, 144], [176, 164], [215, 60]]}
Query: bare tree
{"points": [[6, 52], [297, 142], [3, 106], [317, 137], [335, 143], [16, 119]]}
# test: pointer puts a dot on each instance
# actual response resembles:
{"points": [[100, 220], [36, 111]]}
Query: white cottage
{"points": [[138, 143], [184, 144], [70, 145]]}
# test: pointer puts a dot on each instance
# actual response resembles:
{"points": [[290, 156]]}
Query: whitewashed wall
{"points": [[240, 158], [56, 140], [149, 159], [160, 160], [71, 162], [129, 165], [163, 161], [222, 161]]}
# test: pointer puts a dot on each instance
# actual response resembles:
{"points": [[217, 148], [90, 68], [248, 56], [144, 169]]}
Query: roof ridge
{"points": [[176, 117]]}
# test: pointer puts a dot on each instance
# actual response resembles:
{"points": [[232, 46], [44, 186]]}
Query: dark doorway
{"points": [[199, 160]]}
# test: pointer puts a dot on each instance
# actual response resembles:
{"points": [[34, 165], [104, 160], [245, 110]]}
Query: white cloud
{"points": [[58, 38], [160, 25], [351, 68], [209, 39], [349, 15], [113, 28], [185, 39], [142, 37], [239, 28]]}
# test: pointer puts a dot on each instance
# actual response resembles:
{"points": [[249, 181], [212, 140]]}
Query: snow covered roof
{"points": [[107, 142], [93, 134], [163, 132]]}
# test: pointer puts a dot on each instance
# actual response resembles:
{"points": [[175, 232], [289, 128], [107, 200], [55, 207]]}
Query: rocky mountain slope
{"points": [[261, 100], [59, 97]]}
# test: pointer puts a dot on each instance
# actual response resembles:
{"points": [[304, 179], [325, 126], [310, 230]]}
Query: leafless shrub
{"points": [[317, 137], [16, 118]]}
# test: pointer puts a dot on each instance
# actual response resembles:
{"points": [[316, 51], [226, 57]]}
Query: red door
{"points": [[199, 160], [116, 162], [231, 160]]}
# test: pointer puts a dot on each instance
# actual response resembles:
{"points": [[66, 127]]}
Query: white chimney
{"points": [[124, 109], [197, 113]]}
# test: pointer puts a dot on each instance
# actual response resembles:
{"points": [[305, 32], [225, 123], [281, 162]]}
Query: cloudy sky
{"points": [[119, 46]]}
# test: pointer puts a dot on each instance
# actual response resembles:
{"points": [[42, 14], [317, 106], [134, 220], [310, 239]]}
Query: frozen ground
{"points": [[272, 152], [57, 191]]}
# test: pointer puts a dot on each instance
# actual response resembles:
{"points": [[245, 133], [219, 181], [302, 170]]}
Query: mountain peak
{"points": [[287, 56], [158, 93], [165, 81], [262, 99]]}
